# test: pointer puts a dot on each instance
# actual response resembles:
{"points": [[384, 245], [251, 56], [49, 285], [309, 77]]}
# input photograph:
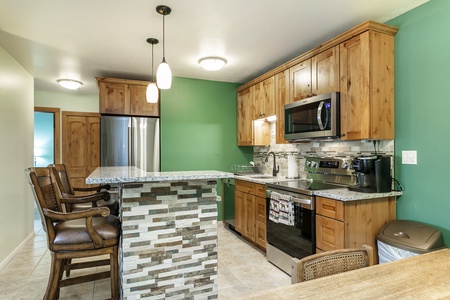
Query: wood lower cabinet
{"points": [[250, 211], [80, 145], [125, 97], [350, 224]]}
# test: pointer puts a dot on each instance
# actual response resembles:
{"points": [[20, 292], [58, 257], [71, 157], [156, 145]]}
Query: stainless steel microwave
{"points": [[313, 118]]}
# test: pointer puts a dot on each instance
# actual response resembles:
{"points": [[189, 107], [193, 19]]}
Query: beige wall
{"points": [[67, 101], [16, 154]]}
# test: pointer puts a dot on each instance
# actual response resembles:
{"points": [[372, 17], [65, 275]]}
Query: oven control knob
{"points": [[313, 164], [308, 163], [344, 165]]}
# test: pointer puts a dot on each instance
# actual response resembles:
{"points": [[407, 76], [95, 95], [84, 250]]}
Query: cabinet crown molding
{"points": [[365, 26]]}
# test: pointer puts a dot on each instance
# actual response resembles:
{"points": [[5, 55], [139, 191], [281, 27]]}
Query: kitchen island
{"points": [[169, 231]]}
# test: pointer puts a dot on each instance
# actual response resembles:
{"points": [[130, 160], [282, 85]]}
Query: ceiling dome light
{"points": [[70, 84], [212, 63]]}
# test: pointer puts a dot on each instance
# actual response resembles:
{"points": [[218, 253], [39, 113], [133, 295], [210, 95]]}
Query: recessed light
{"points": [[70, 84], [212, 63]]}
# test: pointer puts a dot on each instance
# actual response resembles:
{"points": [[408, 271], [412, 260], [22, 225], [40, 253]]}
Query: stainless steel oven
{"points": [[290, 210], [297, 239]]}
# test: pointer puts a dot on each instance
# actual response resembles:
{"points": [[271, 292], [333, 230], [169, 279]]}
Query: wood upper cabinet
{"points": [[245, 117], [325, 72], [282, 97], [80, 145], [350, 224], [125, 97], [300, 81], [367, 87], [264, 99]]}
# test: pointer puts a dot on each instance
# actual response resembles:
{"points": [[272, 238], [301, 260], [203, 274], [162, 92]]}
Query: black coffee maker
{"points": [[373, 174]]}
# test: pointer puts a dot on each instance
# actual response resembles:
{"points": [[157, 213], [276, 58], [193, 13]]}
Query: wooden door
{"points": [[329, 233], [114, 98], [355, 76], [244, 117], [325, 72], [138, 102], [80, 145], [300, 81], [282, 97]]}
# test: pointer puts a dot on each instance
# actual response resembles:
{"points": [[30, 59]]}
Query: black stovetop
{"points": [[302, 186]]}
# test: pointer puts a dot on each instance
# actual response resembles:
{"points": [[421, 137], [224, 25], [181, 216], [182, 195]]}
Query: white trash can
{"points": [[401, 239]]}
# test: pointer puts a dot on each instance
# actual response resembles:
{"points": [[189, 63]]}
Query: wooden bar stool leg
{"points": [[53, 282]]}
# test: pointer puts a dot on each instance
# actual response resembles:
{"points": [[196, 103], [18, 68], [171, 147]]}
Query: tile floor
{"points": [[243, 270]]}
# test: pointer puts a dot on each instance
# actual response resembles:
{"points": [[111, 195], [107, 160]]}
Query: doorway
{"points": [[46, 143]]}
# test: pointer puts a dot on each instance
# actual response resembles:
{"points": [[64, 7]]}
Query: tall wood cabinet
{"points": [[80, 145], [250, 211], [125, 97], [244, 117], [282, 97], [367, 87]]}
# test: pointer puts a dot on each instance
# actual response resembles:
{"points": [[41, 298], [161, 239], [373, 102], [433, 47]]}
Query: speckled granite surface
{"points": [[103, 175], [342, 194]]}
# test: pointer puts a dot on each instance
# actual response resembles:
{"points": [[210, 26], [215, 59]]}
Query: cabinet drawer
{"points": [[330, 208], [260, 236], [244, 186], [260, 190], [329, 233], [261, 210]]}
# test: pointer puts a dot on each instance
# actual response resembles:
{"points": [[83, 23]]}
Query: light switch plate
{"points": [[409, 157]]}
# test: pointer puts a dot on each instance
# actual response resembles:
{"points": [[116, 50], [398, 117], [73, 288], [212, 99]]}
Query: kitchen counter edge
{"points": [[104, 175], [342, 194]]}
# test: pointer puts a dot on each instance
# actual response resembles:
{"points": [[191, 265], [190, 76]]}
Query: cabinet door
{"points": [[80, 145], [114, 98], [355, 104], [249, 216], [329, 233], [300, 81], [282, 98], [264, 99], [239, 211], [138, 102], [325, 71], [244, 117]]}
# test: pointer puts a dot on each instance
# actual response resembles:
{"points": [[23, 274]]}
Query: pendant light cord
{"points": [[164, 39], [153, 77]]}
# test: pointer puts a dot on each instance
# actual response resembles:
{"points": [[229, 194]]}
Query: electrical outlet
{"points": [[409, 157]]}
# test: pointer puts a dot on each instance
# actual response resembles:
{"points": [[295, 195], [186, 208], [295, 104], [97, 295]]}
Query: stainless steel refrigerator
{"points": [[130, 141]]}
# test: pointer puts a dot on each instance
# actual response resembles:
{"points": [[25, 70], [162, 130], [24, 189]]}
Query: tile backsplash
{"points": [[341, 149]]}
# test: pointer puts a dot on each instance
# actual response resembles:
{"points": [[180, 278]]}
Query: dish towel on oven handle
{"points": [[281, 209]]}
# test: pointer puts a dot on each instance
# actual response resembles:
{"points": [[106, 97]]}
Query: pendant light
{"points": [[152, 93], [164, 74]]}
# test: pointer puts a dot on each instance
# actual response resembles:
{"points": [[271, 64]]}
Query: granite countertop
{"points": [[342, 194], [103, 175]]}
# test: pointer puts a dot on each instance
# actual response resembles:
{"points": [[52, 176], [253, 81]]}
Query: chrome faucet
{"points": [[275, 170]]}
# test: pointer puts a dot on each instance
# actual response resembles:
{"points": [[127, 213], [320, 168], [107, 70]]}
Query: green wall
{"points": [[198, 127], [422, 113]]}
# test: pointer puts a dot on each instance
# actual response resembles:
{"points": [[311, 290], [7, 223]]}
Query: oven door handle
{"points": [[301, 201]]}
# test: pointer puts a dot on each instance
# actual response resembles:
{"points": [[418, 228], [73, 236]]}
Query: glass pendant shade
{"points": [[164, 76], [152, 94]]}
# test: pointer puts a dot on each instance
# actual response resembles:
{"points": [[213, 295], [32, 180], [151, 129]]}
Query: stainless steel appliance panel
{"points": [[145, 144], [130, 141], [115, 138]]}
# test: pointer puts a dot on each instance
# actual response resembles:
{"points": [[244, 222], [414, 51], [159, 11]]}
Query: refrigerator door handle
{"points": [[130, 142]]}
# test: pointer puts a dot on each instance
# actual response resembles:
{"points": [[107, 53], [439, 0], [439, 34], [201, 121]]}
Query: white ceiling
{"points": [[81, 39]]}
